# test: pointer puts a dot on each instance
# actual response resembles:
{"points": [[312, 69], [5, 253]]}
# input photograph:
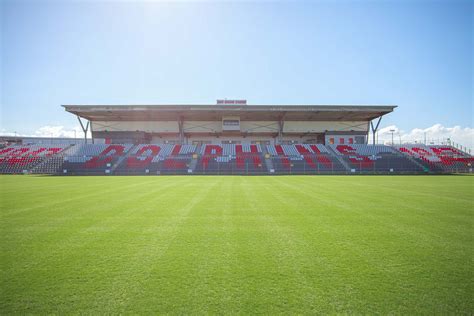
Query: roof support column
{"points": [[281, 124], [374, 129], [84, 129], [181, 129]]}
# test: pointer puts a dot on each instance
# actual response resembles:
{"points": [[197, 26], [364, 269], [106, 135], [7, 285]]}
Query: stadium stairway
{"points": [[339, 158], [157, 159], [122, 158], [231, 159], [195, 160], [268, 160], [363, 158], [93, 159], [438, 158], [304, 159], [51, 165], [420, 164], [235, 159], [25, 158], [426, 164]]}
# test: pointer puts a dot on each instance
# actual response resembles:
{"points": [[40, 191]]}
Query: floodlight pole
{"points": [[84, 129], [374, 129], [392, 131]]}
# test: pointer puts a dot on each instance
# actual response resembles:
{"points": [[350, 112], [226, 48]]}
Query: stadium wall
{"points": [[129, 126], [216, 126]]}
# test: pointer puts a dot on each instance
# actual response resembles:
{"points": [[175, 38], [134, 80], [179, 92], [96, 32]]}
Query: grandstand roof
{"points": [[206, 112]]}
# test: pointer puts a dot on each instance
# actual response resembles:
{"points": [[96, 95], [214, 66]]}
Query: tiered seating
{"points": [[374, 158], [53, 165], [231, 159], [93, 158], [24, 158], [303, 158], [439, 158], [157, 159]]}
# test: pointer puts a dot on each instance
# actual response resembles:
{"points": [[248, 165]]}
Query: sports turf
{"points": [[296, 244]]}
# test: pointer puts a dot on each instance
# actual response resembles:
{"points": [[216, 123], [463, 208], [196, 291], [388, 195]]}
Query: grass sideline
{"points": [[233, 244]]}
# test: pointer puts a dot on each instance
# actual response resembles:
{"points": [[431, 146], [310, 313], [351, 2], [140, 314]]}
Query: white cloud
{"points": [[434, 134], [50, 131], [59, 131]]}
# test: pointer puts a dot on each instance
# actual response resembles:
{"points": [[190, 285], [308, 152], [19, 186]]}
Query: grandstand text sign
{"points": [[231, 102], [231, 123]]}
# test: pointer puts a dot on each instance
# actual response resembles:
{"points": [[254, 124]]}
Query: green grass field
{"points": [[266, 245]]}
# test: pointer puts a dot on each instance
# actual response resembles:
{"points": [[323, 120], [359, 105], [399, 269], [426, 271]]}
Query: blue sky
{"points": [[415, 54]]}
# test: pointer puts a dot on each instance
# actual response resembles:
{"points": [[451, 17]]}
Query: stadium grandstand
{"points": [[229, 137]]}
